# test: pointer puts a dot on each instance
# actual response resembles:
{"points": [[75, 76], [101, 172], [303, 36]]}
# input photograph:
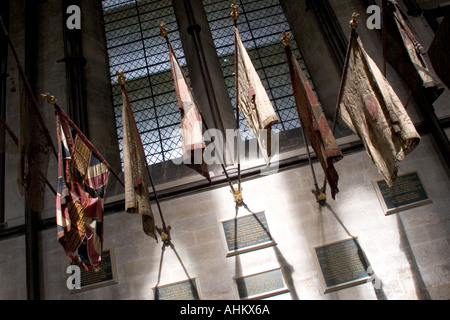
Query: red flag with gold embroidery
{"points": [[405, 52], [316, 126]]}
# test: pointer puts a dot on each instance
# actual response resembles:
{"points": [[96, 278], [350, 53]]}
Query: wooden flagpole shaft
{"points": [[384, 35], [9, 130], [194, 30], [156, 198], [317, 192], [221, 162], [235, 16], [353, 24], [29, 90], [353, 36], [121, 81]]}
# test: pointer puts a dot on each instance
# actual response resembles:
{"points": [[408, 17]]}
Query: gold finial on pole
{"points": [[121, 77], [321, 198], [355, 21], [235, 12], [50, 99], [286, 39], [162, 29], [237, 195]]}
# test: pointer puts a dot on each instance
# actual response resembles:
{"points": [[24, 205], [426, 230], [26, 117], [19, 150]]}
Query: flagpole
{"points": [[354, 35], [164, 33], [16, 141], [353, 24], [235, 17], [164, 233], [320, 194], [384, 35], [194, 30], [165, 230], [29, 90]]}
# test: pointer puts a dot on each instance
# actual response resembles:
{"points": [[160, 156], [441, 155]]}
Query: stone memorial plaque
{"points": [[407, 192], [106, 275], [342, 264], [261, 285], [247, 233], [183, 290]]}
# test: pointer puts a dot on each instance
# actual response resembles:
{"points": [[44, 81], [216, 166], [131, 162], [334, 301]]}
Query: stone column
{"points": [[100, 108]]}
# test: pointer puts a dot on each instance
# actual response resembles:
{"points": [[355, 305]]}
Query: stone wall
{"points": [[408, 251]]}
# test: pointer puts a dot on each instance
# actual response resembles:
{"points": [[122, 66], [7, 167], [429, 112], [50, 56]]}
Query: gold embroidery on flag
{"points": [[81, 156], [78, 227]]}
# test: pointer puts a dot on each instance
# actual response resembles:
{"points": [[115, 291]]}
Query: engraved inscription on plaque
{"points": [[407, 191], [261, 285], [247, 233], [184, 290], [342, 264], [105, 275]]}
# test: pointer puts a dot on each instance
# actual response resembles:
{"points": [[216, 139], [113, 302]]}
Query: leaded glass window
{"points": [[260, 23], [136, 48]]}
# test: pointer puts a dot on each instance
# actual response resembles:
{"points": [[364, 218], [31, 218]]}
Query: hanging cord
{"points": [[163, 249]]}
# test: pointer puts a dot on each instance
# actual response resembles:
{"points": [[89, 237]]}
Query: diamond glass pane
{"points": [[136, 48], [260, 24]]}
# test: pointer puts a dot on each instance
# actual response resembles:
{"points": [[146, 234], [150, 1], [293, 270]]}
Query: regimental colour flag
{"points": [[82, 179], [136, 180], [191, 120], [406, 53], [253, 100], [372, 109], [315, 124], [439, 49]]}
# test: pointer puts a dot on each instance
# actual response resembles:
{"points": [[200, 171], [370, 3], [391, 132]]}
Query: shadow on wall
{"points": [[380, 294], [421, 289], [286, 269], [193, 288]]}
